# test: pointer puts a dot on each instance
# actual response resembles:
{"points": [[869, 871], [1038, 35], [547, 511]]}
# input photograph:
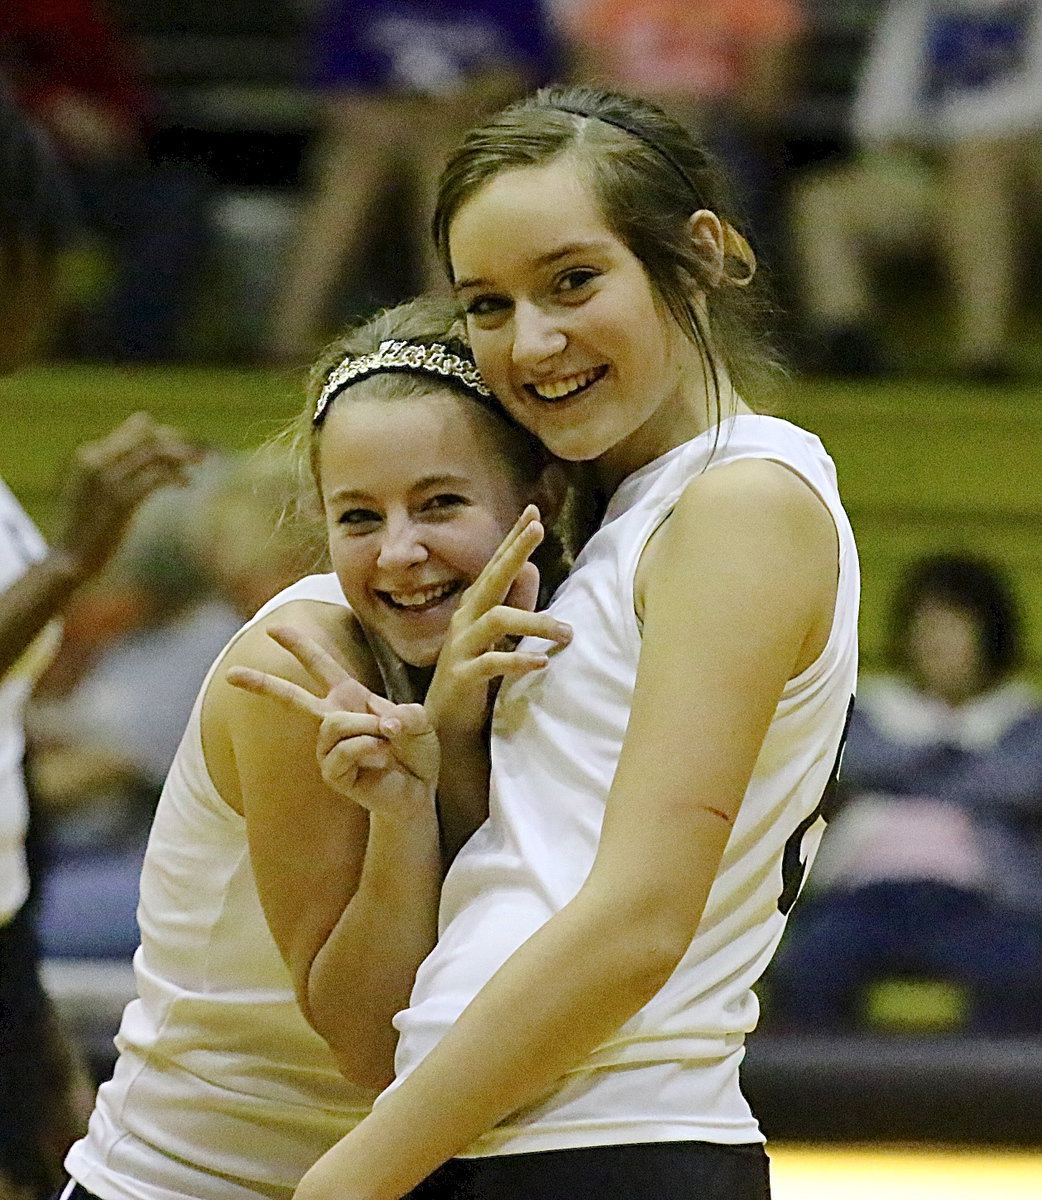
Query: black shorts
{"points": [[641, 1171], [26, 1082]]}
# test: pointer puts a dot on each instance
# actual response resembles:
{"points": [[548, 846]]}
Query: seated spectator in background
{"points": [[37, 222], [251, 534], [723, 67], [933, 868], [399, 81], [948, 116], [77, 78], [196, 564]]}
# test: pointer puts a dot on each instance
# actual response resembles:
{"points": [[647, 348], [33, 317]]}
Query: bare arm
{"points": [[737, 601], [350, 896], [108, 480]]}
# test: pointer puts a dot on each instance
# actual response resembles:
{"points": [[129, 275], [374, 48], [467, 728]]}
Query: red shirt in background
{"points": [[73, 72]]}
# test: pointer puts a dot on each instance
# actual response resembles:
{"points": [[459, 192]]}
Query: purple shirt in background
{"points": [[428, 46]]}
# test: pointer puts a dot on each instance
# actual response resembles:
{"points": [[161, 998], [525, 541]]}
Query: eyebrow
{"points": [[421, 485], [544, 260]]}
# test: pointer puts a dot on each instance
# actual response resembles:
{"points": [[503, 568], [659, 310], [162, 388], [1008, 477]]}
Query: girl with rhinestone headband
{"points": [[284, 909], [658, 790]]}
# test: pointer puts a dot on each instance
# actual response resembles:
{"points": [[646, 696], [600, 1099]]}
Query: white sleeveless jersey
{"points": [[222, 1090], [20, 546], [671, 1072]]}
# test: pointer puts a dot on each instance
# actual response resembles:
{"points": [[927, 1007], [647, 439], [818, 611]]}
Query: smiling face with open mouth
{"points": [[417, 497], [565, 325]]}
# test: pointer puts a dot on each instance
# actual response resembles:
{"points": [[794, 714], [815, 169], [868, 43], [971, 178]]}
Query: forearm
{"points": [[33, 600], [462, 790], [363, 972], [559, 997]]}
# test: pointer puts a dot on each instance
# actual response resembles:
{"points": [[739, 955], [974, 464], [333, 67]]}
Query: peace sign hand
{"points": [[383, 756], [494, 613]]}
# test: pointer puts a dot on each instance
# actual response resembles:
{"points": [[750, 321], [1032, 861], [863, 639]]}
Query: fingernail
{"points": [[390, 726]]}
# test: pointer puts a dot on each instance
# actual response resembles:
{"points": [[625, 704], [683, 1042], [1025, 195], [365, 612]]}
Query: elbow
{"points": [[647, 943], [364, 1071], [362, 1042], [661, 952], [364, 1056]]}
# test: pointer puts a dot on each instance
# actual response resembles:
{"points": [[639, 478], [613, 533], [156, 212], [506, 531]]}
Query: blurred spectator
{"points": [[196, 564], [77, 78], [37, 220], [724, 67], [933, 868], [949, 120], [400, 81]]}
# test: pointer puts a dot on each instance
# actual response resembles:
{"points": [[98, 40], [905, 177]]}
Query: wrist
{"points": [[453, 733], [418, 815]]}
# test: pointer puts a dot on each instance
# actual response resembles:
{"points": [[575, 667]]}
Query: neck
{"points": [[688, 414], [420, 679]]}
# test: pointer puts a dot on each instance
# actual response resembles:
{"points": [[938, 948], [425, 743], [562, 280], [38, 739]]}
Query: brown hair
{"points": [[649, 174]]}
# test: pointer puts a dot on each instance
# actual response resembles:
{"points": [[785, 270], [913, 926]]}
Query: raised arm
{"points": [[107, 481], [493, 614], [737, 598], [350, 895]]}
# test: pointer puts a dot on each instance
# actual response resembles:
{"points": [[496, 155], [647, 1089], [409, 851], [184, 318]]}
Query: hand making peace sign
{"points": [[382, 755]]}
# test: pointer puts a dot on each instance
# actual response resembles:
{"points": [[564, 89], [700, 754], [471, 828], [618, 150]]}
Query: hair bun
{"points": [[739, 257]]}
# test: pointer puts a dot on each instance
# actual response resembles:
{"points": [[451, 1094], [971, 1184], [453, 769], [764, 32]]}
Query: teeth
{"points": [[419, 599], [563, 387]]}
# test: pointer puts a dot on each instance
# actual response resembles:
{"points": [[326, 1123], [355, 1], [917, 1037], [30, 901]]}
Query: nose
{"points": [[401, 544], [537, 335]]}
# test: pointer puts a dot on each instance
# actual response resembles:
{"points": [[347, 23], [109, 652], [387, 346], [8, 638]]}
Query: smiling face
{"points": [[417, 497], [565, 326]]}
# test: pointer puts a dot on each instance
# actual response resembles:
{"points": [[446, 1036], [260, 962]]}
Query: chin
{"points": [[417, 656]]}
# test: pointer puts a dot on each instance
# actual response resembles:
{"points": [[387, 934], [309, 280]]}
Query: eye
{"points": [[576, 279], [486, 306], [444, 503], [360, 520]]}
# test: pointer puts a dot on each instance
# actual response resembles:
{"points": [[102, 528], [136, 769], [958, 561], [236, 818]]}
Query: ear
{"points": [[707, 232], [550, 491]]}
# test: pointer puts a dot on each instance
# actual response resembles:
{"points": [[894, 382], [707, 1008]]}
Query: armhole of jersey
{"points": [[811, 669], [663, 518]]}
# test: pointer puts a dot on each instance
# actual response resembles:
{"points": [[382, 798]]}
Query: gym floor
{"points": [[903, 1173]]}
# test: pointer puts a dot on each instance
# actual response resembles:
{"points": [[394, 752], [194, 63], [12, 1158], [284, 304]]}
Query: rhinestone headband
{"points": [[436, 360]]}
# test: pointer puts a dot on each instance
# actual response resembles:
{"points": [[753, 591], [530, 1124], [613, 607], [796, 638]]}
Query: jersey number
{"points": [[794, 865]]}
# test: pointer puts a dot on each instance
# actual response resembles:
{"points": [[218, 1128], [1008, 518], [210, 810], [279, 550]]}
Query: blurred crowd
{"points": [[886, 154]]}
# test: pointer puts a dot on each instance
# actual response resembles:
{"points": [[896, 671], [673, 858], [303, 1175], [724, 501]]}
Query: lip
{"points": [[596, 374], [434, 604]]}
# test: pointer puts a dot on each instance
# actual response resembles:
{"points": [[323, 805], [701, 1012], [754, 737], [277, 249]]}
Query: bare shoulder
{"points": [[754, 503], [757, 485], [332, 625], [752, 528], [237, 726]]}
